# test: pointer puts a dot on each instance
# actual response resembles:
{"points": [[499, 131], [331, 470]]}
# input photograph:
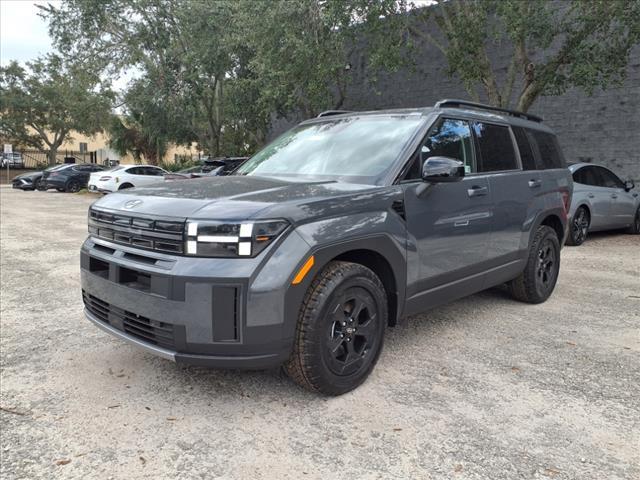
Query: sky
{"points": [[23, 34]]}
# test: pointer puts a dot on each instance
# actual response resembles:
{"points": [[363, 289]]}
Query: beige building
{"points": [[99, 143]]}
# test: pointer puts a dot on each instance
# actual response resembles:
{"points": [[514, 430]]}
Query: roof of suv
{"points": [[459, 108]]}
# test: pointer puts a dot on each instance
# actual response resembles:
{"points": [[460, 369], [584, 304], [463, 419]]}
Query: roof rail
{"points": [[453, 103], [328, 113]]}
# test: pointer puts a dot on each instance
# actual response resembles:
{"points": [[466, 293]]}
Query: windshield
{"points": [[364, 146]]}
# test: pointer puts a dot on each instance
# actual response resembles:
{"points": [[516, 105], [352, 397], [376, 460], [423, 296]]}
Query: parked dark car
{"points": [[601, 201], [27, 181], [339, 228], [209, 168], [69, 177]]}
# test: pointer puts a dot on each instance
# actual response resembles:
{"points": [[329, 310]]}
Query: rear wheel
{"points": [[579, 227], [340, 329], [538, 280], [634, 229], [73, 186]]}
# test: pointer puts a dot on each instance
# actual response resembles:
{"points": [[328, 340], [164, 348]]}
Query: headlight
{"points": [[220, 239]]}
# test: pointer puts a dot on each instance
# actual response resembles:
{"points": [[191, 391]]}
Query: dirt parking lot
{"points": [[485, 388]]}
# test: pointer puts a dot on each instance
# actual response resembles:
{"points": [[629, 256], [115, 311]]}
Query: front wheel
{"points": [[536, 283], [340, 329], [634, 229], [579, 227]]}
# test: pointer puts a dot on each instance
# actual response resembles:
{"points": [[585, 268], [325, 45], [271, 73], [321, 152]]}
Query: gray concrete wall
{"points": [[603, 128]]}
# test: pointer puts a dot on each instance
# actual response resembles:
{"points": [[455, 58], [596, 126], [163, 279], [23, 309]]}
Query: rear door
{"points": [[514, 191], [151, 175], [449, 224], [622, 203], [599, 197]]}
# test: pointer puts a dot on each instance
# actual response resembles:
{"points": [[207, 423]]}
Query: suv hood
{"points": [[246, 197]]}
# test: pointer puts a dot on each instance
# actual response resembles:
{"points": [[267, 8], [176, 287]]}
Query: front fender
{"points": [[382, 232]]}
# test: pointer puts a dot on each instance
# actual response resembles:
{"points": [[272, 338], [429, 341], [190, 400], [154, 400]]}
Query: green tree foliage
{"points": [[554, 45], [149, 120], [185, 49], [41, 104]]}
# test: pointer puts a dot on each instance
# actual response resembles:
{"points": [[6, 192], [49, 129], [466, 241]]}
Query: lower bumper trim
{"points": [[158, 351], [250, 362]]}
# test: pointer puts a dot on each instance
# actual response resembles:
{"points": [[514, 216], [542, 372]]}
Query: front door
{"points": [[621, 211], [449, 224]]}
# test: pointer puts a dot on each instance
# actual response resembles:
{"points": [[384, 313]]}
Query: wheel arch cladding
{"points": [[552, 220], [379, 265], [378, 253]]}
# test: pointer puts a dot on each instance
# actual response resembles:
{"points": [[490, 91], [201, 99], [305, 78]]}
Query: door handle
{"points": [[534, 183], [477, 191], [591, 195], [614, 195]]}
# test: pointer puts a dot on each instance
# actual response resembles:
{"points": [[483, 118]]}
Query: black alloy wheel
{"points": [[73, 186], [579, 227], [538, 279], [352, 331], [547, 268], [634, 229], [340, 330]]}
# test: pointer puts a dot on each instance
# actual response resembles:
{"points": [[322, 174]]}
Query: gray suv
{"points": [[339, 228]]}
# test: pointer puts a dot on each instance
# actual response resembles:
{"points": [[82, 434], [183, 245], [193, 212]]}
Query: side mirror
{"points": [[629, 185], [442, 169]]}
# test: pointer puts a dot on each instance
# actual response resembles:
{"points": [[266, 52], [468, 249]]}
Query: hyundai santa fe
{"points": [[336, 230]]}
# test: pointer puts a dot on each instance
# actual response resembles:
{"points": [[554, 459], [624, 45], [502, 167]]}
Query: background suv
{"points": [[339, 228]]}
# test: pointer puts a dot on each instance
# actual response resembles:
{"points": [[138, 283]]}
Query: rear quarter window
{"points": [[496, 147], [526, 152], [549, 153]]}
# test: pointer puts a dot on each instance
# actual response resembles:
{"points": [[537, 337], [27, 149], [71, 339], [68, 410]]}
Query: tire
{"points": [[334, 352], [538, 280], [634, 229], [36, 185], [124, 186], [73, 186], [579, 227]]}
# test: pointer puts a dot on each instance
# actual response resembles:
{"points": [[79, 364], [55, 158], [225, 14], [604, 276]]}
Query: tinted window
{"points": [[135, 171], [586, 176], [526, 153], [450, 138], [608, 179], [496, 148], [548, 149]]}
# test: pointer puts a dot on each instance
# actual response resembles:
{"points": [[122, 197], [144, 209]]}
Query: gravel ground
{"points": [[483, 388]]}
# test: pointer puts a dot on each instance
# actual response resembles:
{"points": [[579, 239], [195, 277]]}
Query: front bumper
{"points": [[204, 311], [22, 184]]}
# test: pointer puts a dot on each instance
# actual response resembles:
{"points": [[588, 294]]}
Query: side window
{"points": [[526, 153], [609, 179], [587, 176], [135, 171], [548, 149], [450, 138], [496, 148], [155, 171]]}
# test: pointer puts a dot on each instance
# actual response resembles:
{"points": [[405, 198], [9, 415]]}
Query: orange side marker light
{"points": [[303, 271]]}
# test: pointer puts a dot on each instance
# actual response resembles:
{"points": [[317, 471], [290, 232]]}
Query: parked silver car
{"points": [[601, 201]]}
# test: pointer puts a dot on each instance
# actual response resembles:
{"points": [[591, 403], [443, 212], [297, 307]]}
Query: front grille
{"points": [[150, 331], [142, 232]]}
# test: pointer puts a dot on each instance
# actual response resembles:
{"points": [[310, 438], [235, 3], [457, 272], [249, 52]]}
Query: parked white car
{"points": [[125, 176]]}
